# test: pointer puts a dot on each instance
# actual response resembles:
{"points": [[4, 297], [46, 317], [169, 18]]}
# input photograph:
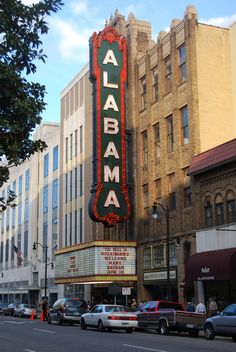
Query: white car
{"points": [[109, 316]]}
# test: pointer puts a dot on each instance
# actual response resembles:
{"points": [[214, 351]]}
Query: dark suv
{"points": [[67, 310]]}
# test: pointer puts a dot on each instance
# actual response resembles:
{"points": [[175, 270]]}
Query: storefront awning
{"points": [[212, 265]]}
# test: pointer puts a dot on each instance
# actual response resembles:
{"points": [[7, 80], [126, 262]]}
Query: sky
{"points": [[66, 44]]}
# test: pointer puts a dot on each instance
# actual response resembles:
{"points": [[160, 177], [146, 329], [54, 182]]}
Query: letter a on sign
{"points": [[109, 202]]}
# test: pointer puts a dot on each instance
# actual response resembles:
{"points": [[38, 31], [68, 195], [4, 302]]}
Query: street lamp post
{"points": [[156, 214], [45, 247]]}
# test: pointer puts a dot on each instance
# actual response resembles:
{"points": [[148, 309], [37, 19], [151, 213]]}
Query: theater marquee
{"points": [[109, 202], [97, 261]]}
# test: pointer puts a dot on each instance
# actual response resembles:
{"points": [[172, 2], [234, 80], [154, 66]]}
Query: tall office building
{"points": [[34, 219]]}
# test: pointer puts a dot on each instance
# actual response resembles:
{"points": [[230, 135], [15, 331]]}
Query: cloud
{"points": [[79, 7], [220, 21], [73, 42]]}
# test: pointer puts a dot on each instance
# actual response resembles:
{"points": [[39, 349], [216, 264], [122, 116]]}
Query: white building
{"points": [[34, 219]]}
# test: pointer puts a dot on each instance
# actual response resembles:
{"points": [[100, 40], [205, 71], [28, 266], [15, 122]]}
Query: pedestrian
{"points": [[212, 308], [141, 303], [45, 309], [200, 308], [190, 307], [134, 304]]}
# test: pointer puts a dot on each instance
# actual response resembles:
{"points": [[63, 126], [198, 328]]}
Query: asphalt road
{"points": [[23, 335]]}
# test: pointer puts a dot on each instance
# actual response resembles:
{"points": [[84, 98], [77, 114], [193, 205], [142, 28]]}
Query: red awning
{"points": [[212, 265]]}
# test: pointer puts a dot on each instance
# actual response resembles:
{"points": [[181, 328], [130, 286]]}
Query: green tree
{"points": [[21, 101]]}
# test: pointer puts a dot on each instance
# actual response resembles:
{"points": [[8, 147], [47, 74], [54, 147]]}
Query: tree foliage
{"points": [[21, 101]]}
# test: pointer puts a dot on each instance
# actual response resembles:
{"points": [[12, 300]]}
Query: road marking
{"points": [[144, 348], [12, 322], [42, 330], [29, 350]]}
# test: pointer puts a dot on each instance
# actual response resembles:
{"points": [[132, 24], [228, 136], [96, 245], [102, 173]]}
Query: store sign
{"points": [[159, 275], [97, 263], [109, 202]]}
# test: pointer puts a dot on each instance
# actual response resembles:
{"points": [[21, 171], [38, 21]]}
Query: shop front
{"points": [[213, 274], [156, 284], [99, 270]]}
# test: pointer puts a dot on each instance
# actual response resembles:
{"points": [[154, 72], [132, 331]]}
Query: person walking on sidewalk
{"points": [[45, 310]]}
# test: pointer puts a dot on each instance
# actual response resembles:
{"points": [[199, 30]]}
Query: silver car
{"points": [[223, 324]]}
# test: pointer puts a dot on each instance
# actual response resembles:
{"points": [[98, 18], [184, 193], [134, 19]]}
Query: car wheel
{"points": [[100, 326], [129, 330], [83, 325], [163, 328], [209, 332], [234, 338]]}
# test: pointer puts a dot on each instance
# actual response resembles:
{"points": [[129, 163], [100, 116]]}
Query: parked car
{"points": [[24, 310], [9, 309], [223, 324], [109, 316], [2, 306], [165, 316], [67, 310]]}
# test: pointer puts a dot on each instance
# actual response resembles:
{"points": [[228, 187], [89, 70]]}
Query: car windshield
{"points": [[113, 309], [74, 303]]}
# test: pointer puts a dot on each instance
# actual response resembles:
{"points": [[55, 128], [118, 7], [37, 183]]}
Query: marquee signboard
{"points": [[109, 202], [97, 261]]}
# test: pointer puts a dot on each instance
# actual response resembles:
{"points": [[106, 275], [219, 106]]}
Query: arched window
{"points": [[208, 212], [230, 207], [219, 209]]}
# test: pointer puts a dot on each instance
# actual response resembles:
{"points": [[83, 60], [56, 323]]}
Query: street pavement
{"points": [[24, 335]]}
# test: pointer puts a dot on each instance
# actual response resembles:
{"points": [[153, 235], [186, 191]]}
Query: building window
{"points": [[173, 254], [66, 156], [81, 139], [45, 239], [81, 179], [66, 230], [158, 256], [45, 199], [81, 225], [208, 212], [71, 146], [219, 209], [182, 63], [147, 258], [143, 93], [71, 185], [230, 207], [172, 192], [55, 158], [145, 148], [170, 134], [75, 226], [27, 210], [70, 228], [187, 189], [66, 190], [158, 188], [25, 248], [154, 85], [185, 128], [145, 196], [76, 142], [27, 179], [156, 130], [168, 75], [55, 194], [76, 182], [46, 165], [20, 185]]}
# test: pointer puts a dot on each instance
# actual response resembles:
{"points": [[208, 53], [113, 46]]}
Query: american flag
{"points": [[19, 255]]}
